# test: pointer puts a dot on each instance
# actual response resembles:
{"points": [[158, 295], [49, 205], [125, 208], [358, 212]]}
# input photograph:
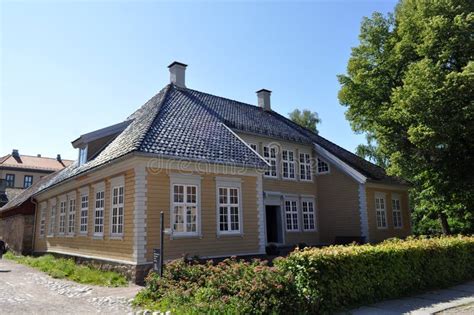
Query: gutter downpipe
{"points": [[34, 226]]}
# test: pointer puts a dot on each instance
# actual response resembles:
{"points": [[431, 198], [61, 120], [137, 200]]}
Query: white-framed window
{"points": [[42, 220], [291, 213], [323, 166], [380, 210], [99, 211], [397, 211], [288, 163], [309, 216], [185, 208], [62, 216], [229, 205], [83, 155], [270, 155], [52, 217], [253, 146], [84, 218], [117, 211], [305, 167], [71, 215]]}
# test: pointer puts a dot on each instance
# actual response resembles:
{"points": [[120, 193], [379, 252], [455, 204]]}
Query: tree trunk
{"points": [[443, 219]]}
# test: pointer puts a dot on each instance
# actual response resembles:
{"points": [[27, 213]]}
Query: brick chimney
{"points": [[177, 73], [15, 154], [264, 99]]}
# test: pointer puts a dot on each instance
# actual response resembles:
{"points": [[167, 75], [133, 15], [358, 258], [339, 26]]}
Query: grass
{"points": [[61, 268]]}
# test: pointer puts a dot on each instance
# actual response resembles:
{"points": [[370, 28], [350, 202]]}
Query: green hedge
{"points": [[339, 277], [312, 280]]}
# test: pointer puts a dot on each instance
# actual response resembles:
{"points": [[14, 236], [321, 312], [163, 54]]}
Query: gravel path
{"points": [[24, 290]]}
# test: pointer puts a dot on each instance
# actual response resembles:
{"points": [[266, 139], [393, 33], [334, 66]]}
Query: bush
{"points": [[312, 280], [60, 268], [338, 277], [230, 286]]}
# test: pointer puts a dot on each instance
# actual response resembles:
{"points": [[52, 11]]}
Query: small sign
{"points": [[156, 259], [168, 231]]}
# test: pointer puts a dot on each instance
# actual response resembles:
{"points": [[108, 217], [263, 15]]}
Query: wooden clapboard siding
{"points": [[338, 204], [209, 244], [88, 245], [376, 234]]}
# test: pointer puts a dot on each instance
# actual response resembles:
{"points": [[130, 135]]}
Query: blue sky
{"points": [[70, 68]]}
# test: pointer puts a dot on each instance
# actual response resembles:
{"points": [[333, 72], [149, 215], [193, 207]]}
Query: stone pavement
{"points": [[455, 300], [24, 290]]}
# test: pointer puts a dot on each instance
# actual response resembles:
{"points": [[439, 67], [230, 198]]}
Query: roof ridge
{"points": [[44, 157]]}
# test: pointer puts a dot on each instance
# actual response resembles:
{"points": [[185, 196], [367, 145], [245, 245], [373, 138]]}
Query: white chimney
{"points": [[264, 99], [177, 73]]}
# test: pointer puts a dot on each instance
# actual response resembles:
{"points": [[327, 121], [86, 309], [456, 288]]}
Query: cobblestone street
{"points": [[24, 290]]}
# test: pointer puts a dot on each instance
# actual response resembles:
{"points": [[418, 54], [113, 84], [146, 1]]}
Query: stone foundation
{"points": [[133, 273]]}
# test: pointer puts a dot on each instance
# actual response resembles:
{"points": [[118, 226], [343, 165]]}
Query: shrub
{"points": [[312, 280], [230, 286], [338, 277]]}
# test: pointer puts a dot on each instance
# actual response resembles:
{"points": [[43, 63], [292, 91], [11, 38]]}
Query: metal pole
{"points": [[162, 235]]}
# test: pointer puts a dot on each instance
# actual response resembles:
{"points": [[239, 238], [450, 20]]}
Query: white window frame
{"points": [[273, 161], [84, 211], [308, 214], [292, 212], [62, 215], [71, 213], [395, 198], [185, 180], [380, 212], [305, 167], [320, 160], [115, 185], [229, 183], [290, 164], [42, 229], [99, 189], [82, 159], [52, 217]]}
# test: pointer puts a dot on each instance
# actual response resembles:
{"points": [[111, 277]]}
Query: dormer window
{"points": [[82, 155]]}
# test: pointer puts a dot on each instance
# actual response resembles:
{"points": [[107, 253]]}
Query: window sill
{"points": [[306, 180], [289, 179], [179, 236], [98, 237], [83, 234], [70, 235], [230, 234], [310, 231], [116, 237], [382, 228], [293, 231]]}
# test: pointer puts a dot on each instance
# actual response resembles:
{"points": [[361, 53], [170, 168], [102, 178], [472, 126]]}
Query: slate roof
{"points": [[182, 123]]}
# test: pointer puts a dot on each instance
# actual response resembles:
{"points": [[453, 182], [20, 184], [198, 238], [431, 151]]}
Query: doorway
{"points": [[274, 228]]}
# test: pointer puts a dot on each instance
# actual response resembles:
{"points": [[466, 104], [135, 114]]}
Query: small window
{"points": [[291, 210], [99, 213], [117, 211], [229, 210], [84, 213], [82, 155], [42, 220], [52, 220], [305, 167], [28, 181], [62, 217], [323, 167], [397, 212], [72, 216], [185, 209], [253, 146], [380, 211], [288, 160], [269, 154], [308, 215], [10, 179]]}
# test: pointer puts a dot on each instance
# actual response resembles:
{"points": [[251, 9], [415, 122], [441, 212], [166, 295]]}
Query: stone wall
{"points": [[17, 232]]}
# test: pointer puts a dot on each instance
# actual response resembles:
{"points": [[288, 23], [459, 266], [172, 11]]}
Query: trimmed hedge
{"points": [[312, 280], [339, 277]]}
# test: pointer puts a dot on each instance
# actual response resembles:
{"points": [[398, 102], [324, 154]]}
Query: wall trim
{"points": [[140, 214], [262, 233], [364, 219]]}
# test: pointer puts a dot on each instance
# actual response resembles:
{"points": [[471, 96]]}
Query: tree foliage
{"points": [[306, 118], [410, 87]]}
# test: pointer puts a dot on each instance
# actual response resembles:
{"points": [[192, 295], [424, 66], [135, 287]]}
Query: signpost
{"points": [[158, 252]]}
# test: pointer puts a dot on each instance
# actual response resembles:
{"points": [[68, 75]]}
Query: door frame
{"points": [[274, 199]]}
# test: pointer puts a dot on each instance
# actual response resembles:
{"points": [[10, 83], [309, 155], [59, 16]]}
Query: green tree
{"points": [[306, 118], [410, 87]]}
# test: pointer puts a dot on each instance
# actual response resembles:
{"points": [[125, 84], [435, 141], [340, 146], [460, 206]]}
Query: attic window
{"points": [[323, 166], [82, 155]]}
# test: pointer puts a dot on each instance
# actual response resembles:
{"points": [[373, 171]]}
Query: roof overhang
{"points": [[100, 133], [341, 165]]}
